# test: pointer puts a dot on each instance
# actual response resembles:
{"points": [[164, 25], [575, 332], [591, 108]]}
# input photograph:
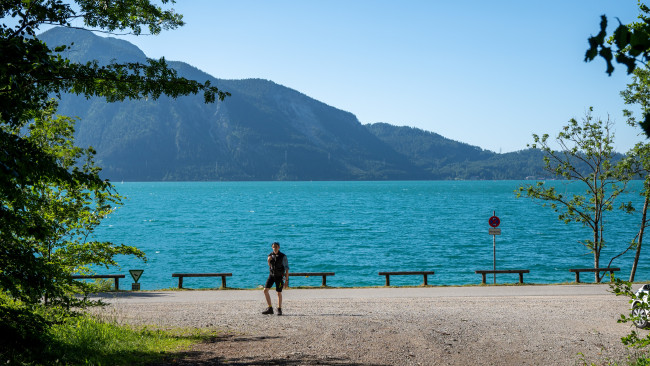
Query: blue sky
{"points": [[488, 73]]}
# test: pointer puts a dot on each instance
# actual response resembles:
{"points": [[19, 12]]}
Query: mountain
{"points": [[442, 158], [264, 131]]}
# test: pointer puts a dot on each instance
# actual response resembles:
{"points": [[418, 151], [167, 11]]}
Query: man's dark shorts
{"points": [[278, 283]]}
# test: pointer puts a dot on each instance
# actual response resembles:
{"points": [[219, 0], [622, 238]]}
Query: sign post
{"points": [[494, 222], [136, 273]]}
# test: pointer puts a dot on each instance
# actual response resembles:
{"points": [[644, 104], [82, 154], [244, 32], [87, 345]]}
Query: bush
{"points": [[22, 329]]}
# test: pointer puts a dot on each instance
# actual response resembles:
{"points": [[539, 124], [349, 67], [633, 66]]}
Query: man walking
{"points": [[279, 268]]}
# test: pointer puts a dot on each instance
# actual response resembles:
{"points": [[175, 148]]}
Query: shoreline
{"points": [[568, 289], [330, 288]]}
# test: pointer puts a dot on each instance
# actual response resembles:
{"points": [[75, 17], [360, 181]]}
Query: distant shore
{"points": [[482, 325]]}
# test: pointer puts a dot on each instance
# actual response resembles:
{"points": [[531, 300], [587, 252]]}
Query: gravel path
{"points": [[503, 325]]}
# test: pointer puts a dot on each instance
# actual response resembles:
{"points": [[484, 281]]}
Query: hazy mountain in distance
{"points": [[264, 131]]}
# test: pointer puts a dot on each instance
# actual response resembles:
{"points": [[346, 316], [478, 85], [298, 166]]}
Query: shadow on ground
{"points": [[207, 354], [195, 358]]}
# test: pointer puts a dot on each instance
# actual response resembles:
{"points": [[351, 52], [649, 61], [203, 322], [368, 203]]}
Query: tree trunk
{"points": [[596, 260], [638, 245], [596, 249]]}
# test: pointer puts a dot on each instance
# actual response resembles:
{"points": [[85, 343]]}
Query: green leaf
{"points": [[622, 36], [592, 52], [645, 124], [606, 53]]}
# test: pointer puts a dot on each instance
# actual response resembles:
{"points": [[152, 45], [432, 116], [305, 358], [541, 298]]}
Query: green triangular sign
{"points": [[136, 273]]}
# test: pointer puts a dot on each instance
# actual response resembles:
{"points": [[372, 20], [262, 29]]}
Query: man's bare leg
{"points": [[268, 297]]}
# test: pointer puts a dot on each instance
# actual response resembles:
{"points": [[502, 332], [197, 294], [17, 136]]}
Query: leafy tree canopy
{"points": [[47, 186], [629, 44], [30, 71], [587, 156], [51, 196]]}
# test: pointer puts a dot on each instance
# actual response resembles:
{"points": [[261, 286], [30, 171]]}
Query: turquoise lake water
{"points": [[355, 229]]}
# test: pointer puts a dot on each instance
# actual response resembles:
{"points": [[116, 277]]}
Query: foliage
{"points": [[641, 361], [628, 44], [51, 195], [22, 328], [30, 71], [631, 42], [638, 158], [72, 210], [38, 181], [624, 288], [637, 163], [586, 155]]}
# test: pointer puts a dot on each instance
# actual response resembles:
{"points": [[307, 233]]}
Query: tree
{"points": [[586, 155], [637, 163], [632, 44], [72, 211], [622, 288], [75, 210], [29, 73], [638, 158], [51, 195]]}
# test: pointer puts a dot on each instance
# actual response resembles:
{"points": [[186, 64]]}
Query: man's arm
{"points": [[286, 270]]}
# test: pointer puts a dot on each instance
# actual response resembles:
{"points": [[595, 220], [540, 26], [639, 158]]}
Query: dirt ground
{"points": [[430, 330]]}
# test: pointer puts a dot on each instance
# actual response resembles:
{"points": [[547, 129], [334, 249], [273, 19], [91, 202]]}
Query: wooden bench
{"points": [[423, 273], [181, 275], [520, 271], [592, 270], [307, 274], [115, 276]]}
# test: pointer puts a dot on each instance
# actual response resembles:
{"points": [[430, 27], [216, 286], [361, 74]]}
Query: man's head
{"points": [[276, 247]]}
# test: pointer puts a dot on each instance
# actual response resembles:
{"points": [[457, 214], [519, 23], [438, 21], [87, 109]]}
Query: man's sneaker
{"points": [[279, 311], [268, 311]]}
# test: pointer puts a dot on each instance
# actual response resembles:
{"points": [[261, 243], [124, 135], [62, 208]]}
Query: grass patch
{"points": [[641, 361], [637, 358], [85, 340]]}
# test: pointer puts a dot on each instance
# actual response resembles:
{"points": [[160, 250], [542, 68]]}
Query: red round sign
{"points": [[494, 221]]}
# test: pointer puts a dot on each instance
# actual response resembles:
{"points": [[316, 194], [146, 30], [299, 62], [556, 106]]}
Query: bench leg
{"points": [[387, 280], [483, 278], [577, 277], [117, 283], [223, 281], [324, 283], [425, 280], [180, 282], [521, 278]]}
